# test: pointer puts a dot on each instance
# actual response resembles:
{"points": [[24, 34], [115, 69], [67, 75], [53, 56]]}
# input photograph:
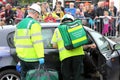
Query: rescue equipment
{"points": [[73, 34]]}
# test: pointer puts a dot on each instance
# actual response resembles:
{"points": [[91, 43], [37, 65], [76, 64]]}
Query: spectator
{"points": [[114, 8], [26, 10], [112, 21], [2, 15], [71, 10], [118, 18], [58, 4], [59, 13], [9, 14], [118, 23], [106, 5], [49, 18], [2, 12], [106, 20], [19, 15], [79, 14], [47, 6], [81, 5], [113, 11], [91, 14], [100, 10], [43, 11]]}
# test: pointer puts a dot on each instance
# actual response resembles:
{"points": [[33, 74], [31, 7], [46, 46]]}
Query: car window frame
{"points": [[110, 48]]}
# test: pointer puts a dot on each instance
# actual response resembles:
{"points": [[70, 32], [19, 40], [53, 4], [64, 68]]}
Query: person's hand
{"points": [[41, 61], [92, 46]]}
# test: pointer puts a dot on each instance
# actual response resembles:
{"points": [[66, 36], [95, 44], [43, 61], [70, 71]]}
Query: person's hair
{"points": [[106, 13], [58, 2]]}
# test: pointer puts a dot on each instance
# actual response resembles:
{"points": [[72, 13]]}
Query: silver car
{"points": [[106, 56]]}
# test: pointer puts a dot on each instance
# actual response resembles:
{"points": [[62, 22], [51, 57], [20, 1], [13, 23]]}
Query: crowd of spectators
{"points": [[10, 14]]}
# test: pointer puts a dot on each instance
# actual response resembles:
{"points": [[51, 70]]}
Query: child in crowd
{"points": [[50, 18], [106, 20], [79, 14]]}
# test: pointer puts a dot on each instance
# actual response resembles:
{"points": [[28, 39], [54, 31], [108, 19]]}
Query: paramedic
{"points": [[28, 41], [71, 60]]}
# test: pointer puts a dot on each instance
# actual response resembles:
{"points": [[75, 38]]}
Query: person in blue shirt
{"points": [[71, 10]]}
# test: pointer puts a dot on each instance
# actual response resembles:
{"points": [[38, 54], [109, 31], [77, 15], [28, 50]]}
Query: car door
{"points": [[108, 67]]}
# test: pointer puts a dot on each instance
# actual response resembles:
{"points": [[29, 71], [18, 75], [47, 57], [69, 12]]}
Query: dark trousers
{"points": [[26, 66], [72, 68]]}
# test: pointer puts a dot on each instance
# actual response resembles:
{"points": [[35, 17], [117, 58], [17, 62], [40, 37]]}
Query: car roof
{"points": [[47, 25]]}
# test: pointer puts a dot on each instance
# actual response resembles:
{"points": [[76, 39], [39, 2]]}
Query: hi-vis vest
{"points": [[63, 52], [28, 40], [73, 34]]}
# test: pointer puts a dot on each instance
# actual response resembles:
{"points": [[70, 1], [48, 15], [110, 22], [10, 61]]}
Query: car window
{"points": [[47, 35], [101, 42]]}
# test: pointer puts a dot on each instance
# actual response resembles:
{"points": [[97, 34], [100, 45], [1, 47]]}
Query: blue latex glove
{"points": [[18, 67], [41, 60]]}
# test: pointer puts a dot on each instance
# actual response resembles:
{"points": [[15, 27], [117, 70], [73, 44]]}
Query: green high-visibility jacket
{"points": [[28, 40]]}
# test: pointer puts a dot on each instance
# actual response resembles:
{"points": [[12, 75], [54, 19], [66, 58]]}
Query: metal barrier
{"points": [[112, 29]]}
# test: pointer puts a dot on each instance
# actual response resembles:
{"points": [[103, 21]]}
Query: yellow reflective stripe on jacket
{"points": [[59, 39], [28, 26], [22, 37], [75, 28], [79, 40], [36, 34], [61, 49], [23, 46], [38, 41]]}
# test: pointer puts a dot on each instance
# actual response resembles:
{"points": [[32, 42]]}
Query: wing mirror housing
{"points": [[116, 47]]}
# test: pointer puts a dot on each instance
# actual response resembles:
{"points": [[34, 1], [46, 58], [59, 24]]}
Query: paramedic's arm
{"points": [[89, 46], [54, 40]]}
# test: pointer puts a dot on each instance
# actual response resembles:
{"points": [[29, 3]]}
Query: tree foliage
{"points": [[30, 1]]}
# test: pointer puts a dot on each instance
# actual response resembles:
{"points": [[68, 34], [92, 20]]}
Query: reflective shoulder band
{"points": [[36, 34], [61, 49], [56, 34], [38, 41], [28, 26], [59, 39], [22, 37]]}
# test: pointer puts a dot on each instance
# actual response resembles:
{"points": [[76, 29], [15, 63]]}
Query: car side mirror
{"points": [[116, 47]]}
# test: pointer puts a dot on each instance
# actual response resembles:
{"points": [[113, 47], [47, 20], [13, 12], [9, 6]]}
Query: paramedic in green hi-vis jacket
{"points": [[28, 41], [71, 60]]}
